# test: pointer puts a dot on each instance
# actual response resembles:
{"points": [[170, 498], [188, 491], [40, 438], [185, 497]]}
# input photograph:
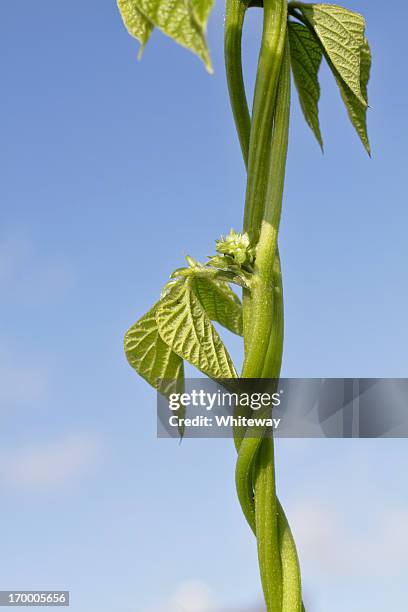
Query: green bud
{"points": [[238, 247]]}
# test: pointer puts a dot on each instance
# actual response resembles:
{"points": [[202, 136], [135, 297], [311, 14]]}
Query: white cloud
{"points": [[52, 465], [338, 543], [189, 596], [195, 596]]}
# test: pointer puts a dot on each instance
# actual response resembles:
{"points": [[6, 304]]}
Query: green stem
{"points": [[248, 450], [291, 583], [267, 537], [273, 360], [260, 452], [264, 354], [258, 308], [262, 292], [234, 20], [270, 59], [261, 305]]}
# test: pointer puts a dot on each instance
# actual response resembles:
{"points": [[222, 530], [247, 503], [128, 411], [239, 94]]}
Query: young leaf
{"points": [[149, 355], [136, 23], [220, 303], [185, 327], [306, 57], [341, 33], [182, 20], [357, 112], [202, 10]]}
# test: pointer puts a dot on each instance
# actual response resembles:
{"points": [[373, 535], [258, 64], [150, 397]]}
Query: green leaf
{"points": [[341, 33], [357, 111], [182, 20], [306, 58], [202, 10], [149, 355], [136, 23], [220, 303], [185, 327]]}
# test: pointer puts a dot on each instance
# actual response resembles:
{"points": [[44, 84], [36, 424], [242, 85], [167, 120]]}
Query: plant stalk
{"points": [[258, 308], [269, 63], [284, 556]]}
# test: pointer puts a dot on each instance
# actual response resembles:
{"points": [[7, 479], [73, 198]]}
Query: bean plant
{"points": [[296, 37]]}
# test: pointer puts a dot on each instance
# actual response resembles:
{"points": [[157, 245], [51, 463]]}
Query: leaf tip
{"points": [[320, 141], [206, 58], [140, 52]]}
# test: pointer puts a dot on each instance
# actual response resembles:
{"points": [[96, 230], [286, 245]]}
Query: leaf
{"points": [[341, 33], [154, 360], [185, 327], [357, 111], [202, 10], [306, 58], [220, 303], [136, 23], [182, 20], [149, 355]]}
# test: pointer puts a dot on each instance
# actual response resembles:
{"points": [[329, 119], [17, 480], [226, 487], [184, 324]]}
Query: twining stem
{"points": [[291, 581], [270, 58], [291, 587], [255, 364], [273, 360], [260, 303], [234, 20], [266, 512]]}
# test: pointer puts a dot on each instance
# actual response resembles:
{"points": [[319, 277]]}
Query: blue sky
{"points": [[113, 169]]}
